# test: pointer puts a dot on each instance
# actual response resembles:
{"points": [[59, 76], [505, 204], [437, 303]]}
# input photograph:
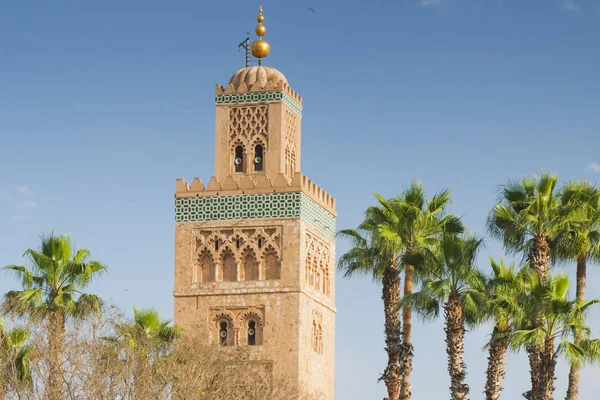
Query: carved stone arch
{"points": [[206, 266], [238, 141], [258, 140], [249, 264], [272, 263], [224, 314], [218, 320], [251, 324], [248, 314], [269, 248], [228, 264]]}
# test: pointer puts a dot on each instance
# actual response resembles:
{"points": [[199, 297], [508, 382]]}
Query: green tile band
{"points": [[254, 97], [255, 206]]}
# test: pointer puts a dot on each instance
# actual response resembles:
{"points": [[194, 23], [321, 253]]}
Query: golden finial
{"points": [[260, 48]]}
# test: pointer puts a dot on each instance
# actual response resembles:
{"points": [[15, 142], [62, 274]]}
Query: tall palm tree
{"points": [[580, 242], [498, 294], [526, 219], [150, 338], [561, 319], [15, 357], [448, 287], [52, 292], [414, 224], [368, 257]]}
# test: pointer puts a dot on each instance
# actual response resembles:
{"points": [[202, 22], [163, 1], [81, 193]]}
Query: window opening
{"points": [[258, 158], [239, 159], [223, 333], [251, 333]]}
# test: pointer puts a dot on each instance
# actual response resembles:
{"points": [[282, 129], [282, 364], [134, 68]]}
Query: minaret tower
{"points": [[255, 247]]}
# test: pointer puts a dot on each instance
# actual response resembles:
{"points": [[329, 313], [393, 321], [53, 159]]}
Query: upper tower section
{"points": [[258, 121]]}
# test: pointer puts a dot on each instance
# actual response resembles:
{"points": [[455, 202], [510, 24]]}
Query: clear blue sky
{"points": [[103, 104]]}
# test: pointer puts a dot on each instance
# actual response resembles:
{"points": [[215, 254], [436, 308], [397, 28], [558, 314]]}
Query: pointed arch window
{"points": [[238, 159], [229, 268], [207, 273], [258, 158], [251, 333], [250, 268], [223, 332], [273, 266]]}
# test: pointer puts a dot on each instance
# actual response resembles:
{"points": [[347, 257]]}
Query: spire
{"points": [[260, 47]]}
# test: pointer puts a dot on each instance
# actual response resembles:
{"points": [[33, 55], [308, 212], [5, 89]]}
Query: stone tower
{"points": [[255, 247]]}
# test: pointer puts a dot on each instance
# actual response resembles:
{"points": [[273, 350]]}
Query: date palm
{"points": [[580, 242], [367, 256], [447, 287], [51, 292], [15, 358], [526, 219], [412, 224], [562, 318], [149, 338], [497, 293]]}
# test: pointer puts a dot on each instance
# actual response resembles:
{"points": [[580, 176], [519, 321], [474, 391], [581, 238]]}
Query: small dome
{"points": [[256, 75]]}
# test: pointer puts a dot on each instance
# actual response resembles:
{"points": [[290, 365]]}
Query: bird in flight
{"points": [[311, 9]]}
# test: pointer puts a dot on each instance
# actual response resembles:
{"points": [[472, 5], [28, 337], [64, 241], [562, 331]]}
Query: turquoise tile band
{"points": [[254, 97], [255, 206]]}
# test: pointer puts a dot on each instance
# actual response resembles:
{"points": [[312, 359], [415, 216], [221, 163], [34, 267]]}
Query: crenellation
{"points": [[181, 186], [197, 185], [256, 184], [213, 184], [230, 183], [246, 182]]}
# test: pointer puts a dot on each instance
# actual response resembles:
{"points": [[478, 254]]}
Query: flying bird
{"points": [[311, 9]]}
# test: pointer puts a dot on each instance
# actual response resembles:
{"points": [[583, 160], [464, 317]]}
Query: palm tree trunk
{"points": [[391, 297], [548, 370], [406, 346], [538, 257], [455, 334], [56, 338], [573, 389], [496, 365]]}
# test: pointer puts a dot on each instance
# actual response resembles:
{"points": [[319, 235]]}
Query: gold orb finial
{"points": [[260, 48]]}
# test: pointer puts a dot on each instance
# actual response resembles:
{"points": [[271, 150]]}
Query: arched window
{"points": [[251, 333], [250, 268], [223, 332], [273, 266], [258, 158], [229, 268], [320, 339], [208, 269], [238, 160]]}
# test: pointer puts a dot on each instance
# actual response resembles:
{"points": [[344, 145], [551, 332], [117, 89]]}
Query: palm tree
{"points": [[52, 292], [498, 293], [150, 338], [414, 224], [580, 242], [447, 287], [561, 319], [527, 217], [15, 356], [368, 257]]}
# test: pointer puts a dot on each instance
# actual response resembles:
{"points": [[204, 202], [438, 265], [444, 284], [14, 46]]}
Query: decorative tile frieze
{"points": [[254, 97], [255, 206]]}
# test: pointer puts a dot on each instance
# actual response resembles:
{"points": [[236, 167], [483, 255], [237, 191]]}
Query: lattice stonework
{"points": [[248, 124], [254, 206], [238, 98]]}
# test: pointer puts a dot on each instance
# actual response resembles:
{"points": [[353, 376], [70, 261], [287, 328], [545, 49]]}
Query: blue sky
{"points": [[104, 104]]}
